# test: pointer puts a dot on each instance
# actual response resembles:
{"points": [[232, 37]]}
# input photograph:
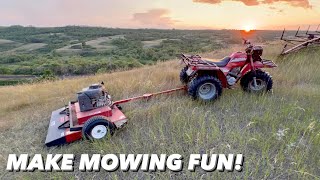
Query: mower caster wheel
{"points": [[263, 79], [206, 88], [184, 76], [97, 128]]}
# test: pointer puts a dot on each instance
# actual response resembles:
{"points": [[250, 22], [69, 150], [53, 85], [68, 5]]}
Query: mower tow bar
{"points": [[148, 96]]}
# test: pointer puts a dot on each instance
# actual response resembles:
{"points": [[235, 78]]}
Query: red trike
{"points": [[205, 78]]}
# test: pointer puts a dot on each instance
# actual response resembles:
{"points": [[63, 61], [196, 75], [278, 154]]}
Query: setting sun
{"points": [[248, 28]]}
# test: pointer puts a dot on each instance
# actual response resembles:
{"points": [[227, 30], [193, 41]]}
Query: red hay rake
{"points": [[301, 41]]}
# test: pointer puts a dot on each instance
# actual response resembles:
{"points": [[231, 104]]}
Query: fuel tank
{"points": [[238, 57]]}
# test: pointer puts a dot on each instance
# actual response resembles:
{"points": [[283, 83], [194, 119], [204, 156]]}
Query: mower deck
{"points": [[61, 130]]}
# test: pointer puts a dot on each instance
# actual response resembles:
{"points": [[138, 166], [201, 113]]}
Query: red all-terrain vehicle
{"points": [[206, 78]]}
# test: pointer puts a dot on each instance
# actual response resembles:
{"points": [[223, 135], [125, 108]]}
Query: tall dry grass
{"points": [[278, 133]]}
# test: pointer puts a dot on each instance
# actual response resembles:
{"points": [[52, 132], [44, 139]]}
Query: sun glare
{"points": [[248, 28]]}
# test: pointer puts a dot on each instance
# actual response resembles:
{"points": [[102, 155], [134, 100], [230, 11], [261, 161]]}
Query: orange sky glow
{"points": [[163, 14]]}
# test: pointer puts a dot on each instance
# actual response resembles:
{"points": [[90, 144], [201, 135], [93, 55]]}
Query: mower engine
{"points": [[93, 97], [93, 108]]}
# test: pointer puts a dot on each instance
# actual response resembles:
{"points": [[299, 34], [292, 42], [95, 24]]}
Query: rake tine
{"points": [[308, 30], [297, 32], [283, 33]]}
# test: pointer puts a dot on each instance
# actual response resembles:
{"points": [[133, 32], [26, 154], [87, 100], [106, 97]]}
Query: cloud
{"points": [[156, 18], [296, 3], [246, 2], [276, 9]]}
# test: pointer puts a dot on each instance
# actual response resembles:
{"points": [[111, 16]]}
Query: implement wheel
{"points": [[97, 128]]}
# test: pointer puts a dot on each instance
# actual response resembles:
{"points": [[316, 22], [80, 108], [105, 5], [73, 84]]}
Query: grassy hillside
{"points": [[278, 133]]}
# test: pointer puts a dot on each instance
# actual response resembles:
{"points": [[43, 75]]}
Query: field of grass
{"points": [[27, 47], [154, 43], [6, 45], [11, 47], [5, 41], [278, 133], [104, 43], [6, 80], [35, 51], [98, 45]]}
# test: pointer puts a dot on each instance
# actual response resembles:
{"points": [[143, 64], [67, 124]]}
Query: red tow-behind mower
{"points": [[95, 116]]}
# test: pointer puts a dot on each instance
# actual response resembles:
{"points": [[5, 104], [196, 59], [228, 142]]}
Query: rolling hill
{"points": [[278, 133]]}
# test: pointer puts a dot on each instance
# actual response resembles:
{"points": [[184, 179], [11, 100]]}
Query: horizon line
{"points": [[146, 28]]}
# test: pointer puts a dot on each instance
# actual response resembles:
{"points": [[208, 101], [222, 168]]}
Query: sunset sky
{"points": [[165, 14]]}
